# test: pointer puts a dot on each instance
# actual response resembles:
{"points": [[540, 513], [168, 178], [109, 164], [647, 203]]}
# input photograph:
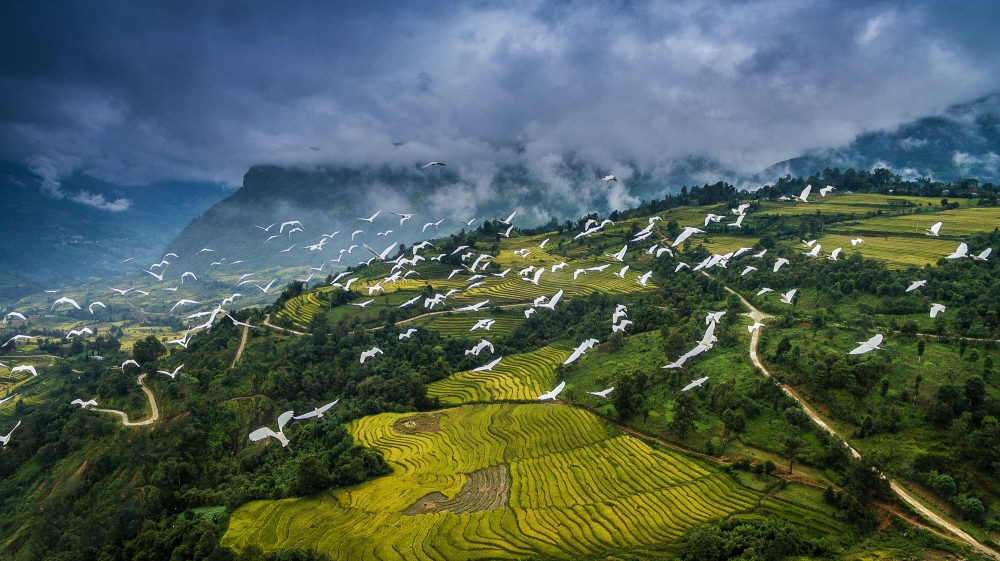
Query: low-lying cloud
{"points": [[156, 92]]}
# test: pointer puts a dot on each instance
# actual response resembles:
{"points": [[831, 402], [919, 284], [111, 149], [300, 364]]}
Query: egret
{"points": [[509, 218], [173, 374], [580, 350], [814, 252], [680, 266], [554, 393], [781, 261], [84, 404], [362, 304], [403, 217], [473, 307], [933, 230], [127, 362], [266, 229], [606, 179], [621, 274], [868, 345], [936, 309], [479, 347], [371, 219], [695, 384], [188, 274], [483, 324], [809, 243], [120, 291], [804, 195], [857, 241], [749, 269], [759, 255], [429, 224], [425, 166], [4, 440], [559, 266], [620, 256], [264, 289], [765, 290], [65, 300], [739, 222], [265, 432], [644, 278], [489, 366], [411, 301], [663, 250], [182, 302], [915, 285], [370, 353], [15, 315], [787, 297], [24, 368], [528, 312], [317, 412], [962, 251], [688, 231], [825, 190], [833, 255], [551, 304], [603, 393], [621, 326]]}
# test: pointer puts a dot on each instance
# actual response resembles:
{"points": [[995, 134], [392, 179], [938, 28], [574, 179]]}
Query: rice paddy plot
{"points": [[957, 223], [518, 377], [302, 309], [458, 324], [577, 487], [895, 250]]}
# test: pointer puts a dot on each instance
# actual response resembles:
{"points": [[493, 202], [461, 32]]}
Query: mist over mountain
{"points": [[963, 141], [59, 232]]}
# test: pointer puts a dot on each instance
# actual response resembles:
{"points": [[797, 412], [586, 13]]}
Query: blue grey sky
{"points": [[134, 92]]}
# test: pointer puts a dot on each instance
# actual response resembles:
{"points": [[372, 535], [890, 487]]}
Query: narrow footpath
{"points": [[152, 406], [243, 343]]}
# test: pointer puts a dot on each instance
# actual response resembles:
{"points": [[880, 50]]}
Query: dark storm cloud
{"points": [[133, 92]]}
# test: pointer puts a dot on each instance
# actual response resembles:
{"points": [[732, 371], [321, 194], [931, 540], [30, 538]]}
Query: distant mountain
{"points": [[50, 240], [325, 200], [962, 142]]}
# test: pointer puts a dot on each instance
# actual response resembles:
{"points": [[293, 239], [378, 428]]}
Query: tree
{"points": [[783, 347], [792, 447], [685, 414], [921, 345], [975, 391], [148, 350], [311, 476]]}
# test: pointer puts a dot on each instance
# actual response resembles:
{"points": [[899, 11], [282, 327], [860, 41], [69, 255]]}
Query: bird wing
{"points": [[283, 419]]}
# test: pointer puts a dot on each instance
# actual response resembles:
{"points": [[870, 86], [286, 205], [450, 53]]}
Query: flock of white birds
{"points": [[405, 265]]}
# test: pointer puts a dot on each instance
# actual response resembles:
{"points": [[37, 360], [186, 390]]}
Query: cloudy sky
{"points": [[135, 92]]}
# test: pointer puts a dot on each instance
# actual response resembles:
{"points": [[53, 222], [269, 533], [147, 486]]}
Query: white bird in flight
{"points": [[915, 285], [554, 393], [933, 230], [4, 440], [370, 353], [24, 368], [644, 278], [120, 291], [787, 297], [265, 432], [473, 307], [362, 304], [833, 255], [479, 347], [749, 269], [182, 302], [425, 166], [607, 178], [804, 195], [128, 362], [936, 309], [409, 333], [317, 412], [483, 324], [403, 217], [264, 289], [188, 274], [603, 393], [695, 384], [371, 219], [688, 231], [580, 350], [825, 190], [509, 218], [781, 261], [857, 241], [65, 300], [489, 366], [984, 255], [869, 345], [84, 404], [962, 251], [814, 252], [551, 304], [15, 315], [173, 374], [621, 274], [763, 291]]}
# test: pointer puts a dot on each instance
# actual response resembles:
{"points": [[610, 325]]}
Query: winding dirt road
{"points": [[913, 503], [243, 343], [152, 405]]}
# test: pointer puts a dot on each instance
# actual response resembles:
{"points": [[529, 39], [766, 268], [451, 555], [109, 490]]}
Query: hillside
{"points": [[50, 242], [436, 449]]}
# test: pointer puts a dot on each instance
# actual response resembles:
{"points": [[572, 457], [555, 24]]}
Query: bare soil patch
{"points": [[486, 489], [419, 423]]}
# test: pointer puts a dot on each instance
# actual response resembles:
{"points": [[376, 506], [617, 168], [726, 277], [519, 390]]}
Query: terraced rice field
{"points": [[894, 250], [958, 223], [519, 377], [577, 488], [459, 324], [302, 309]]}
